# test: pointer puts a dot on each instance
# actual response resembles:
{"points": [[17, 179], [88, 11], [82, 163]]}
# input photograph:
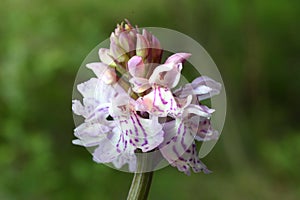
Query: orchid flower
{"points": [[122, 116]]}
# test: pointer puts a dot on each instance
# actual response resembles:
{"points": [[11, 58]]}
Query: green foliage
{"points": [[255, 44]]}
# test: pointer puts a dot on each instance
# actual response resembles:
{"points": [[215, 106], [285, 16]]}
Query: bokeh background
{"points": [[255, 45]]}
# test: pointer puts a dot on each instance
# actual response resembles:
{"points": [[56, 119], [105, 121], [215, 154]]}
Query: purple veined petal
{"points": [[99, 114], [150, 134], [179, 148], [189, 160], [114, 148], [105, 57], [136, 67], [120, 106], [133, 130], [182, 103], [139, 84], [205, 132], [137, 132], [103, 72], [167, 75], [159, 102], [178, 139], [178, 58]]}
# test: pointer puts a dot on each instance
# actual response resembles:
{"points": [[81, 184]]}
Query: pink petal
{"points": [[178, 58], [117, 52], [142, 46], [167, 75], [126, 41], [136, 66], [139, 84]]}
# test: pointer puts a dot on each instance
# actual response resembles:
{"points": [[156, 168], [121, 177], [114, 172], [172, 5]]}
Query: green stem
{"points": [[140, 186], [141, 182]]}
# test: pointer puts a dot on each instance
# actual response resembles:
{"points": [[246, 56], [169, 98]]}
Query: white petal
{"points": [[199, 110], [103, 72], [136, 66], [203, 87], [90, 134], [105, 152], [126, 158], [78, 108]]}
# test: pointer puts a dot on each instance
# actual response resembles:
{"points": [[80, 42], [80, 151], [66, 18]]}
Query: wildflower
{"points": [[122, 116]]}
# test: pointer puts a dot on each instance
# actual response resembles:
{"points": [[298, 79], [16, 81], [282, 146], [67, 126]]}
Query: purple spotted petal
{"points": [[191, 160], [179, 148], [145, 134], [204, 130], [177, 139], [159, 102], [107, 152], [133, 130]]}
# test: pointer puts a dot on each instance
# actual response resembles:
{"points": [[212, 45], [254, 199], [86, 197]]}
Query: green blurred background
{"points": [[255, 45]]}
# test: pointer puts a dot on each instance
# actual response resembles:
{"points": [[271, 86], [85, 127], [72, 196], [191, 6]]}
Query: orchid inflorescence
{"points": [[132, 104]]}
